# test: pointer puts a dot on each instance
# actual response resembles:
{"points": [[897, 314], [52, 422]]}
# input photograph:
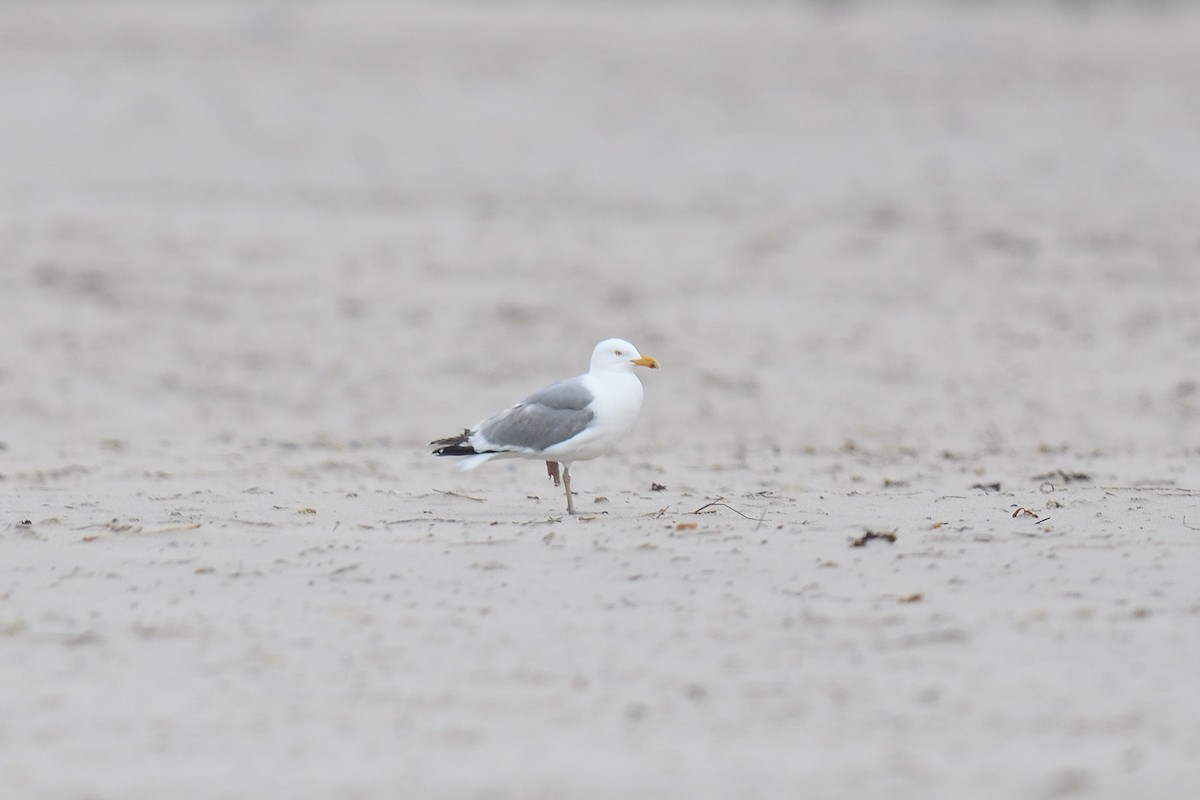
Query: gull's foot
{"points": [[552, 471]]}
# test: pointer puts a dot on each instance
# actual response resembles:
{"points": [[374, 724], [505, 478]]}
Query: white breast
{"points": [[618, 400]]}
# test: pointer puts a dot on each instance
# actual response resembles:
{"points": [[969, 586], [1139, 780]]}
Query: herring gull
{"points": [[568, 421]]}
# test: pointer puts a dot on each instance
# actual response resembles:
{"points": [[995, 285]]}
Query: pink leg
{"points": [[552, 471], [566, 479]]}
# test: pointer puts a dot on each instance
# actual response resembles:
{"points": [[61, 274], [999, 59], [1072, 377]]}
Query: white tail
{"points": [[471, 462]]}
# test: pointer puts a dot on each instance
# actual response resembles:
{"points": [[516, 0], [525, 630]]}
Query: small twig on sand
{"points": [[718, 502], [116, 527], [460, 494], [190, 526], [1063, 475], [1026, 512]]}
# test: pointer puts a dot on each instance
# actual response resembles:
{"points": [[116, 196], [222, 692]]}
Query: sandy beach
{"points": [[913, 506]]}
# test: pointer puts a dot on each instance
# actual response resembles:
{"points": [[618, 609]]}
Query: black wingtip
{"points": [[455, 451], [454, 445]]}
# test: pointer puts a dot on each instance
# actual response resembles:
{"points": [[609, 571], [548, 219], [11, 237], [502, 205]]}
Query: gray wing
{"points": [[543, 419]]}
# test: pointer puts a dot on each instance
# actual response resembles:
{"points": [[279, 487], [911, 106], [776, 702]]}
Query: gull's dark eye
{"points": [[620, 353]]}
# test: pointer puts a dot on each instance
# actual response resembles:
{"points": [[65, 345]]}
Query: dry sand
{"points": [[929, 270]]}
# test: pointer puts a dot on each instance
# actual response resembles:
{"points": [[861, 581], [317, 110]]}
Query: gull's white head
{"points": [[618, 354]]}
